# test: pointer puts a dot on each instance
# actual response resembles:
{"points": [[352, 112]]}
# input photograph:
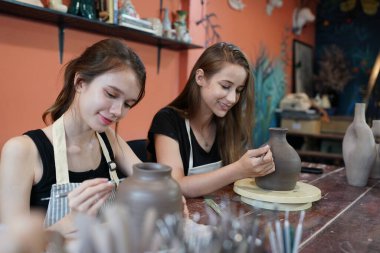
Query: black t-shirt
{"points": [[169, 123], [41, 190]]}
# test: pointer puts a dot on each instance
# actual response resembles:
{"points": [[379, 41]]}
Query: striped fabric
{"points": [[58, 206]]}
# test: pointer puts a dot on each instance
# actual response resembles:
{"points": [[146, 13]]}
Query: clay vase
{"points": [[359, 150], [375, 171], [150, 187], [286, 160]]}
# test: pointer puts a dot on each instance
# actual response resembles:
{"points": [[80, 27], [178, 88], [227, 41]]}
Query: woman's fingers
{"points": [[93, 210], [89, 194], [92, 204], [267, 169], [87, 190], [259, 152], [87, 184]]}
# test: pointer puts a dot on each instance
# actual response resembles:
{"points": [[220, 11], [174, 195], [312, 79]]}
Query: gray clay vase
{"points": [[286, 160], [359, 149], [375, 171], [150, 187]]}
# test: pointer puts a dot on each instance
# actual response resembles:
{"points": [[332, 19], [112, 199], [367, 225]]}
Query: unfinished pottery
{"points": [[286, 160], [151, 187], [375, 171], [359, 149]]}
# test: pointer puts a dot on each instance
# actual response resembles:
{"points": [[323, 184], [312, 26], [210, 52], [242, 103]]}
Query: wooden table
{"points": [[345, 219]]}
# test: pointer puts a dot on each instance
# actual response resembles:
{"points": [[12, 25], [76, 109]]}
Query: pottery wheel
{"points": [[297, 199], [276, 206]]}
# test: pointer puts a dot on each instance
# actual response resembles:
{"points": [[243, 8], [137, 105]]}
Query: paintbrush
{"points": [[64, 194]]}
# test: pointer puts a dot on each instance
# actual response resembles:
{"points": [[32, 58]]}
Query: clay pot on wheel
{"points": [[286, 160]]}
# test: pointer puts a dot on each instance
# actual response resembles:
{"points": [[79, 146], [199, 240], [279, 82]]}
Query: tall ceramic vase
{"points": [[286, 160], [359, 150], [151, 187], [375, 171]]}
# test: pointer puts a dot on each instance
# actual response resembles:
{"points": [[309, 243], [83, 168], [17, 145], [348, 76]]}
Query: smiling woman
{"points": [[205, 132], [79, 153]]}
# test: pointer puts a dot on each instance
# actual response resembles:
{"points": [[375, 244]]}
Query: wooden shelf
{"points": [[319, 136], [65, 20], [317, 146], [318, 154]]}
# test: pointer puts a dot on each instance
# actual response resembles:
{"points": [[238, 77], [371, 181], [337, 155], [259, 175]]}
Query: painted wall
{"points": [[355, 31], [31, 77]]}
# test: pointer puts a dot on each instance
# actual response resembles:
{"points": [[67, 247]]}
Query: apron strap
{"points": [[111, 164], [187, 122], [60, 156]]}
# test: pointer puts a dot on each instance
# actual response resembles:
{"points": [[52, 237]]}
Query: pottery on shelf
{"points": [[286, 160], [166, 25], [375, 171], [151, 187], [359, 149], [83, 8]]}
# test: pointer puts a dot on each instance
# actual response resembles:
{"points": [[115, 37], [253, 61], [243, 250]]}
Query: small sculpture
{"points": [[236, 4], [57, 5], [181, 27], [128, 8], [300, 18], [32, 2], [271, 4]]}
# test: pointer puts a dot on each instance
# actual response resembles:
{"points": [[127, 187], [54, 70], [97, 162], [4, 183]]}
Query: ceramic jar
{"points": [[286, 160], [359, 150], [375, 171], [83, 8], [150, 187]]}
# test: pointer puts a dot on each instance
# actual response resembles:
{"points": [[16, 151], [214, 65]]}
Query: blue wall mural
{"points": [[354, 27], [269, 78]]}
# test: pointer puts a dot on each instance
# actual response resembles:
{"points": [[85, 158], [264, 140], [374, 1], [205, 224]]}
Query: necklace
{"points": [[206, 140], [205, 136]]}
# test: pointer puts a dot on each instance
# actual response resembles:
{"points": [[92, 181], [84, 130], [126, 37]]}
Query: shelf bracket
{"points": [[159, 47], [61, 41]]}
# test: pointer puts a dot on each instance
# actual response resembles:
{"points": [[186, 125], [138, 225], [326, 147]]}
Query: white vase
{"points": [[359, 149], [166, 24], [375, 171]]}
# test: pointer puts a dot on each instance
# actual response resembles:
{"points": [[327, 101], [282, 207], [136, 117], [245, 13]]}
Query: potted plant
{"points": [[333, 74]]}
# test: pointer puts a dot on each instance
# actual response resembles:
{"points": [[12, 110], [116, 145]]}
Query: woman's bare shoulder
{"points": [[19, 147]]}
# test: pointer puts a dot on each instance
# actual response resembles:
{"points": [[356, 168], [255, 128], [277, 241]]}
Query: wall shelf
{"points": [[315, 147], [65, 20]]}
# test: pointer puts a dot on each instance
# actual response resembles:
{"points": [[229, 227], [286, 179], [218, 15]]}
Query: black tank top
{"points": [[41, 190]]}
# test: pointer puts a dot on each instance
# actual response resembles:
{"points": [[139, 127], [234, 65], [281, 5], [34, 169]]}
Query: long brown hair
{"points": [[234, 131], [97, 59]]}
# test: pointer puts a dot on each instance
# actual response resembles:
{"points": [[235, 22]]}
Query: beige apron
{"points": [[203, 168], [58, 205]]}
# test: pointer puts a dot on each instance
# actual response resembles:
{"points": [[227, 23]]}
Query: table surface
{"points": [[345, 219]]}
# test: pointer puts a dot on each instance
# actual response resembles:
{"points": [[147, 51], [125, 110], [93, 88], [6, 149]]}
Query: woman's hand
{"points": [[257, 162], [90, 196]]}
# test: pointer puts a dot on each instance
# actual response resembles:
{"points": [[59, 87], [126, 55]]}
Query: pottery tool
{"points": [[287, 232], [64, 194], [297, 236], [279, 237], [214, 206], [272, 238], [311, 170]]}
